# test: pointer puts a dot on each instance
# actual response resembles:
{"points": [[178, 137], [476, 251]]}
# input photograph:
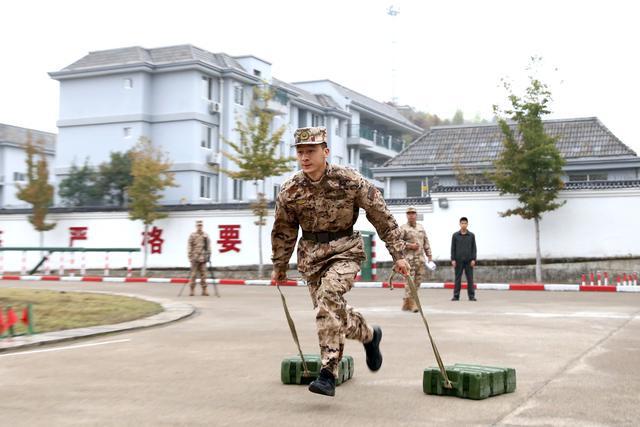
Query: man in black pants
{"points": [[463, 257]]}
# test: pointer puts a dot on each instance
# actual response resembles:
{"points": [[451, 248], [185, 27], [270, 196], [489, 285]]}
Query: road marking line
{"points": [[71, 347]]}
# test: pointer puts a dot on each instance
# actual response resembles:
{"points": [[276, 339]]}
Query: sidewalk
{"points": [[172, 311]]}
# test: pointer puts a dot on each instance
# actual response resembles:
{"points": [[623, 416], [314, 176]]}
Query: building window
{"points": [[276, 191], [205, 186], [19, 177], [207, 88], [205, 141], [257, 73], [598, 177], [414, 188], [302, 118], [128, 83], [237, 189], [338, 127], [317, 120], [238, 95], [126, 132]]}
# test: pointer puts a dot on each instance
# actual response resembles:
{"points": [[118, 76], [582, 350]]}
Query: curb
{"points": [[172, 312], [242, 282]]}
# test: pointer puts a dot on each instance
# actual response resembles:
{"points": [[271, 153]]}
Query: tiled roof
{"points": [[157, 56], [468, 144], [371, 103], [573, 185], [17, 135], [319, 100]]}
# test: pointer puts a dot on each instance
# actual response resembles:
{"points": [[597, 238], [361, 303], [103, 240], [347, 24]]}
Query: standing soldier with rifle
{"points": [[199, 252]]}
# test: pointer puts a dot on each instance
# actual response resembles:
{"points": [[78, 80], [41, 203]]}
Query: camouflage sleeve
{"points": [[190, 247], [427, 246], [283, 236], [370, 199], [207, 249]]}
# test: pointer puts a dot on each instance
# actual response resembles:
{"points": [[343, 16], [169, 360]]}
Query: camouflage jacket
{"points": [[330, 204], [416, 235], [199, 247]]}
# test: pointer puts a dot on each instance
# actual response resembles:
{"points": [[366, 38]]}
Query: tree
{"points": [[255, 154], [150, 170], [38, 192], [114, 177], [79, 187], [530, 164], [458, 118]]}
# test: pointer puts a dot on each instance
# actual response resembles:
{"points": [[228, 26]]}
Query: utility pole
{"points": [[393, 11]]}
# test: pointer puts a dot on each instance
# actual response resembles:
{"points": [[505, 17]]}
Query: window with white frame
{"points": [[205, 140], [338, 127], [237, 189], [19, 177], [205, 186], [238, 94], [128, 83], [207, 88], [126, 132], [317, 120]]}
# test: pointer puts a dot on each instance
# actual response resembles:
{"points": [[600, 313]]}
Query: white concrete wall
{"points": [[575, 230], [13, 159]]}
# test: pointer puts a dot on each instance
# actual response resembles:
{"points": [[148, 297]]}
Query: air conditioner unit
{"points": [[214, 107], [214, 158]]}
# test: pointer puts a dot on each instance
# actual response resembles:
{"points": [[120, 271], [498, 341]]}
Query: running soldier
{"points": [[324, 200]]}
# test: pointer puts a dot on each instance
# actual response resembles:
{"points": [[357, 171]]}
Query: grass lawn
{"points": [[58, 310]]}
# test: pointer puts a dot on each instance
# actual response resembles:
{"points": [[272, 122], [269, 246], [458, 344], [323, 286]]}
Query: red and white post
{"points": [[83, 264], [106, 264], [129, 265], [61, 269], [624, 279], [374, 265], [599, 279], [23, 266], [584, 280], [606, 278], [591, 279]]}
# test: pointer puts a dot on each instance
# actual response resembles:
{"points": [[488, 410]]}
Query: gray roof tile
{"points": [[157, 56], [19, 136], [469, 144]]}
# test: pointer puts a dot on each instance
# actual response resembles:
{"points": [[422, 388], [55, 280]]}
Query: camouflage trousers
{"points": [[198, 268], [418, 273], [335, 320]]}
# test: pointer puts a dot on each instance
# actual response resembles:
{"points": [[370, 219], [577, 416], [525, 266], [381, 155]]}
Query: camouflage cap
{"points": [[411, 209], [310, 135], [199, 222]]}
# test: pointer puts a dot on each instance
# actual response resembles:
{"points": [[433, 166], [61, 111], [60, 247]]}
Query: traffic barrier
{"points": [[591, 279], [599, 279], [584, 280], [606, 278]]}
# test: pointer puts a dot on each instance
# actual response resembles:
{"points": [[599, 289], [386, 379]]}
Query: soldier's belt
{"points": [[326, 236]]}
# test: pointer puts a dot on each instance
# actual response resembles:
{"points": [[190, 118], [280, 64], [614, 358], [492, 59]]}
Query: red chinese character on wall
{"points": [[229, 238], [154, 239], [77, 233]]}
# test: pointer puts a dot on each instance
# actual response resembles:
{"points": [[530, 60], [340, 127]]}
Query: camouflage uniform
{"points": [[199, 248], [331, 205], [416, 257]]}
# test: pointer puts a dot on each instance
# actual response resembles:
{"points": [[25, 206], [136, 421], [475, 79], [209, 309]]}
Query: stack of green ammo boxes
{"points": [[470, 381], [291, 371]]}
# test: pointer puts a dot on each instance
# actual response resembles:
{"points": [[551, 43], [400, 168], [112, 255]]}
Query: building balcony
{"points": [[375, 142]]}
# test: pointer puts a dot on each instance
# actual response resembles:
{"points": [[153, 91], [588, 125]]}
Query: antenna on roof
{"points": [[393, 11]]}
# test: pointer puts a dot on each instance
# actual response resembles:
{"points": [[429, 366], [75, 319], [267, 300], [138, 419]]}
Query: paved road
{"points": [[577, 357]]}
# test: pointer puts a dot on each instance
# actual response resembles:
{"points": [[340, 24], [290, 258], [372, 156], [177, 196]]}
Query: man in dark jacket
{"points": [[463, 257]]}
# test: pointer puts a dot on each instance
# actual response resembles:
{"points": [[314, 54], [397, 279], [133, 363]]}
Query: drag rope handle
{"points": [[416, 298], [292, 327]]}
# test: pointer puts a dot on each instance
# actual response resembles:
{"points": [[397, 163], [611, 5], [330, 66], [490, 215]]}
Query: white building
{"points": [[13, 156], [188, 100]]}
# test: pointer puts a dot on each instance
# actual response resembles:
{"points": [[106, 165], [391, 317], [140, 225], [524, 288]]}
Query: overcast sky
{"points": [[448, 54]]}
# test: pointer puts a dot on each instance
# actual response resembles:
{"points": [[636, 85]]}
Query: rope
{"points": [[292, 327], [416, 298]]}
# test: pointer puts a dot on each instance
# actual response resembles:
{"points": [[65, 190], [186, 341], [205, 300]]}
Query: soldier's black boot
{"points": [[374, 357], [324, 384]]}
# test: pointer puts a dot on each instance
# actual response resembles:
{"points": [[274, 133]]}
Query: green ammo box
{"points": [[505, 375], [291, 370]]}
